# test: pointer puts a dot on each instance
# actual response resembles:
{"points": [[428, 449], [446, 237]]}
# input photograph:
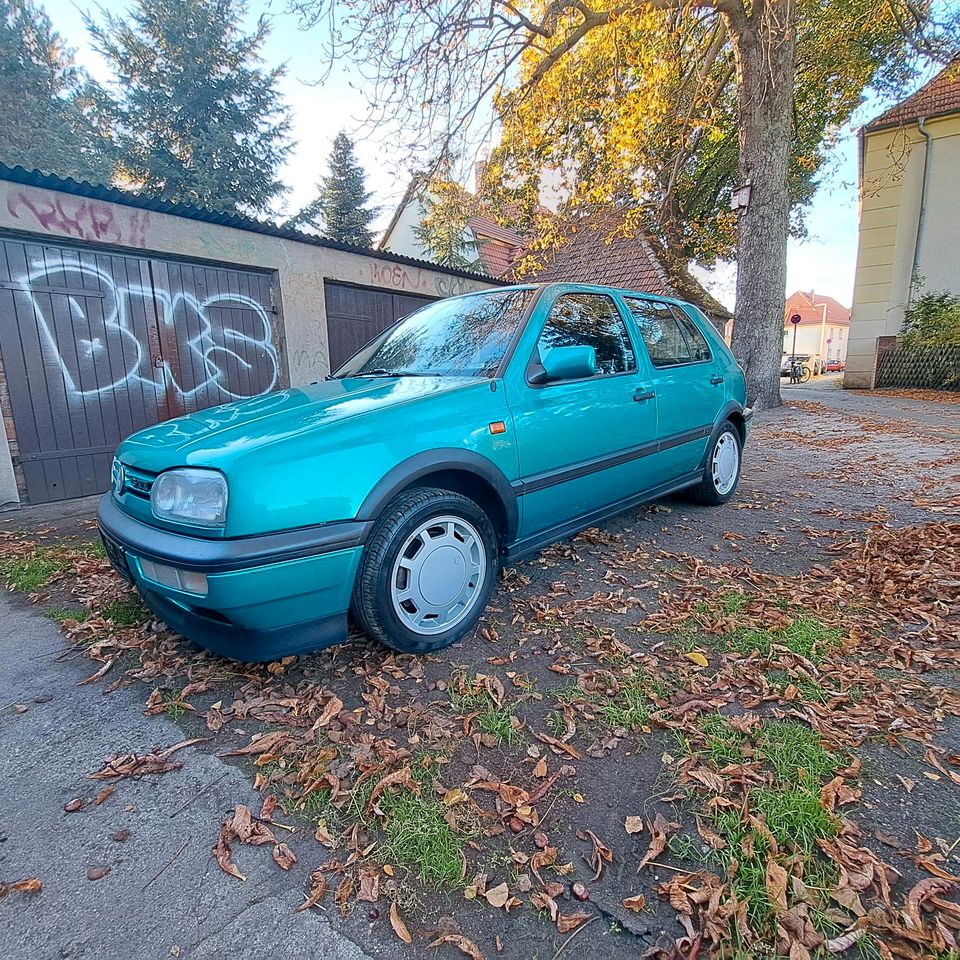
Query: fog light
{"points": [[187, 580]]}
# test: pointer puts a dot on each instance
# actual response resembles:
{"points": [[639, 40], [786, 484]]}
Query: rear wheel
{"points": [[721, 473], [427, 572]]}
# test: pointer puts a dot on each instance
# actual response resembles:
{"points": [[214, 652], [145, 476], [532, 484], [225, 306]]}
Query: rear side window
{"points": [[669, 335], [592, 320], [699, 349]]}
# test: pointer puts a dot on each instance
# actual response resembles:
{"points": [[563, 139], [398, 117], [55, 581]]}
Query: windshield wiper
{"points": [[381, 372]]}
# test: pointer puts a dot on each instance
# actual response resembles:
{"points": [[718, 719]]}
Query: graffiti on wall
{"points": [[413, 279], [105, 352], [79, 217]]}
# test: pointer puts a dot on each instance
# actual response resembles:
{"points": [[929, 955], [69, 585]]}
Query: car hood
{"points": [[214, 434]]}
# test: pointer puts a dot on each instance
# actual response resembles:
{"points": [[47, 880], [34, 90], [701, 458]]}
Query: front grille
{"points": [[131, 480]]}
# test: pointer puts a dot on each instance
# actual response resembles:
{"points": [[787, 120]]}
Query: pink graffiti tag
{"points": [[80, 218]]}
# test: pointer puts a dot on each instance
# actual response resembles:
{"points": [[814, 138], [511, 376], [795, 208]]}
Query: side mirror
{"points": [[569, 363]]}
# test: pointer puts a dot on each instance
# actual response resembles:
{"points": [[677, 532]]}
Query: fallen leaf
{"points": [[660, 828], [498, 895], [318, 891], [98, 873], [399, 927], [284, 856], [775, 880], [465, 946], [104, 794], [540, 769], [636, 903], [323, 835], [30, 885], [72, 806], [570, 921], [695, 656], [633, 825]]}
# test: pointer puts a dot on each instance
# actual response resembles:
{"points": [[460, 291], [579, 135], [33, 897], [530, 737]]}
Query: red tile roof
{"points": [[485, 228], [810, 307], [941, 95], [595, 252]]}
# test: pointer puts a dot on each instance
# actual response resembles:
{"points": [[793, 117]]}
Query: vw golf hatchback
{"points": [[474, 431]]}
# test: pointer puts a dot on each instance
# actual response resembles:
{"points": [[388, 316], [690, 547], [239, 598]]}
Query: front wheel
{"points": [[721, 473], [427, 571], [804, 374]]}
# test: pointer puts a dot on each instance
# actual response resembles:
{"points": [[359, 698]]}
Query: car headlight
{"points": [[190, 495]]}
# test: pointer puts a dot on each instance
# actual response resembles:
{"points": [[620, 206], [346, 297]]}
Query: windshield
{"points": [[463, 336]]}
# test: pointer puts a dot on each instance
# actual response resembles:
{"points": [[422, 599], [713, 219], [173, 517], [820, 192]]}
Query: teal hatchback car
{"points": [[472, 432]]}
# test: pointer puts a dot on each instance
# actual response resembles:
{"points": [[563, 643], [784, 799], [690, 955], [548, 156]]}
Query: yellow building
{"points": [[909, 215]]}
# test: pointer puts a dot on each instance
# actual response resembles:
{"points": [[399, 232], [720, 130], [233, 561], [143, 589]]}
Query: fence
{"points": [[930, 368]]}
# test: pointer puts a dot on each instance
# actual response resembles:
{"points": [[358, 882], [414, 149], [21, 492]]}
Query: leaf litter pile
{"points": [[708, 755]]}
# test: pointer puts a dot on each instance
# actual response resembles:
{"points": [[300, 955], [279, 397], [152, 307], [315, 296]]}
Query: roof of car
{"points": [[586, 287]]}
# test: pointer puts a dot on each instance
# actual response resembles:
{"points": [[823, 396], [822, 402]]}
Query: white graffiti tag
{"points": [[98, 331]]}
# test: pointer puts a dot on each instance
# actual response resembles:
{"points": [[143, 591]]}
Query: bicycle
{"points": [[799, 372]]}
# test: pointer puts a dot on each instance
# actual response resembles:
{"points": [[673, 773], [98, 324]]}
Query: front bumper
{"points": [[266, 596]]}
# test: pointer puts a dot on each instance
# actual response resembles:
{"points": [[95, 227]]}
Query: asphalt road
{"points": [[164, 895]]}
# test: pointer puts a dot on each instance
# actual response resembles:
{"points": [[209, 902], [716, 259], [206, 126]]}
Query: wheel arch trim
{"points": [[442, 460]]}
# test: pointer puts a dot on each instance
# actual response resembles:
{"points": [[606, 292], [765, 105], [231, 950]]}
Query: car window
{"points": [[699, 349], [661, 332], [592, 320], [462, 336]]}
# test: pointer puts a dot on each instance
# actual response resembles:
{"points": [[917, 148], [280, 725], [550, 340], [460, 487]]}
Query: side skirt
{"points": [[520, 549]]}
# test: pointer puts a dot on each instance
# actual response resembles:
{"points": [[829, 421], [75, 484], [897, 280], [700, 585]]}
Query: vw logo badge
{"points": [[119, 480]]}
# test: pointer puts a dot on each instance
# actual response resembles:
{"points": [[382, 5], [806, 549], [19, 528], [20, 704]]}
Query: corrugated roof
{"points": [[940, 96], [596, 252], [77, 188]]}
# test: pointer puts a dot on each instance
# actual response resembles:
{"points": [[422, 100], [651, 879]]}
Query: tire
{"points": [[416, 601], [804, 374], [716, 487]]}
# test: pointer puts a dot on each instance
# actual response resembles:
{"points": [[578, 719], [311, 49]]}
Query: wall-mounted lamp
{"points": [[740, 197]]}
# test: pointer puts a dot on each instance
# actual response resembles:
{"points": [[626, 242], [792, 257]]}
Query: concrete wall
{"points": [[890, 197], [301, 268]]}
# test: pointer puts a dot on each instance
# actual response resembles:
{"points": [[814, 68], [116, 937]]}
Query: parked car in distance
{"points": [[474, 431], [833, 366]]}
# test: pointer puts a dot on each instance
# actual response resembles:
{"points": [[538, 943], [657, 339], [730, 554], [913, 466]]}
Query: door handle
{"points": [[642, 395], [715, 379]]}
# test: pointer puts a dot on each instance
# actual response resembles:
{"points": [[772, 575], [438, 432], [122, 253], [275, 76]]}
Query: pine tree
{"points": [[45, 121], [197, 118], [340, 211]]}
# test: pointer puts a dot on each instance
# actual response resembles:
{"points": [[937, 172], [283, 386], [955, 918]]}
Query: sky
{"points": [[323, 105]]}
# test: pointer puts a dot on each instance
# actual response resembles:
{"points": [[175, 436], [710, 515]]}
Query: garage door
{"points": [[96, 345], [355, 315]]}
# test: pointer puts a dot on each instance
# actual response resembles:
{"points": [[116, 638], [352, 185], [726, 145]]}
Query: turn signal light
{"points": [[498, 426]]}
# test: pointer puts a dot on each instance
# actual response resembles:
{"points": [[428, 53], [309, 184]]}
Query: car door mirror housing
{"points": [[568, 363]]}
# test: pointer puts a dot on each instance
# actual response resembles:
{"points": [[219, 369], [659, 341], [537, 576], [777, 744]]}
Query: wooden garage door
{"points": [[96, 345], [355, 315]]}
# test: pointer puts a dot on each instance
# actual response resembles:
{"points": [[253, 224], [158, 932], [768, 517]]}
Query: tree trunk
{"points": [[765, 45]]}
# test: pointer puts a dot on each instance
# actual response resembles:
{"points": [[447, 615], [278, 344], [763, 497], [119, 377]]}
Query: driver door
{"points": [[582, 443]]}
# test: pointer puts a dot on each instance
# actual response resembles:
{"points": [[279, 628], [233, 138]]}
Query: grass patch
{"points": [[35, 569], [63, 614], [629, 708], [795, 816], [795, 752], [724, 743], [498, 722], [806, 636], [128, 611]]}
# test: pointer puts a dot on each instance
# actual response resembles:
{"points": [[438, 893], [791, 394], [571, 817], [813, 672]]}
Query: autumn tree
{"points": [[436, 67], [444, 228], [196, 116], [341, 210], [46, 121]]}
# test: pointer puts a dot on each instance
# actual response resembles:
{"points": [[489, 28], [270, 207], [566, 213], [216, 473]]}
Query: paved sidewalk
{"points": [[164, 890]]}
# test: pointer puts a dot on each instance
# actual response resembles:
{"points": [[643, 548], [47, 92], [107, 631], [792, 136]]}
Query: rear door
{"points": [[686, 380]]}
